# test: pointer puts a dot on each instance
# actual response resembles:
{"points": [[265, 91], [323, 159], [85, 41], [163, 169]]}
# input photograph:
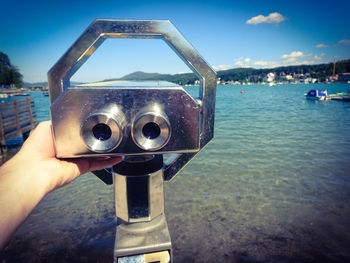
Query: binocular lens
{"points": [[151, 130], [102, 132]]}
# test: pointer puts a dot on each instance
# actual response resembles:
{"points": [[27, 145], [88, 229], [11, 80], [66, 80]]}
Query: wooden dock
{"points": [[339, 96], [17, 119]]}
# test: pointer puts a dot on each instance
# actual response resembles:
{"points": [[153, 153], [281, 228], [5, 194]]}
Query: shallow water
{"points": [[273, 186]]}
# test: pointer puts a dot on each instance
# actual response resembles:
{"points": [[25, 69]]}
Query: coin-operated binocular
{"points": [[139, 121]]}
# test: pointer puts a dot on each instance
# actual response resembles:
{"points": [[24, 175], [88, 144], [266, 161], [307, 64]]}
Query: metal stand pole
{"points": [[142, 233]]}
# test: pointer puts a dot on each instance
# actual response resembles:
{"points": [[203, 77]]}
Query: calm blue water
{"points": [[273, 186]]}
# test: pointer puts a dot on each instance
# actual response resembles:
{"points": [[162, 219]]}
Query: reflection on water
{"points": [[273, 186]]}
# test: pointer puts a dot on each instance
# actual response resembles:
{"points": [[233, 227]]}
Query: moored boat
{"points": [[317, 94], [21, 94]]}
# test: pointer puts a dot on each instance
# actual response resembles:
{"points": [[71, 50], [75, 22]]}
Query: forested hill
{"points": [[319, 72], [182, 79]]}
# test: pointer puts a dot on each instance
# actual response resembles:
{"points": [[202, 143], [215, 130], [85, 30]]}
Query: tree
{"points": [[9, 74]]}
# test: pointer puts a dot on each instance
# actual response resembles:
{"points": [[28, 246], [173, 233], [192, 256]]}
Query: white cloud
{"points": [[247, 60], [299, 58], [222, 67], [320, 57], [293, 58], [321, 45], [242, 62], [266, 64], [273, 18], [345, 42], [293, 55]]}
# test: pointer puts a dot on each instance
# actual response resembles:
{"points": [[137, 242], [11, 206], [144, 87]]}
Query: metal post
{"points": [[142, 233], [18, 126], [3, 148]]}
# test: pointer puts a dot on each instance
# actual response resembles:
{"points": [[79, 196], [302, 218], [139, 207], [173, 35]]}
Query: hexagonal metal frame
{"points": [[100, 29]]}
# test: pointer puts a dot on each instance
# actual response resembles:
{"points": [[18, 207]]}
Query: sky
{"points": [[228, 34]]}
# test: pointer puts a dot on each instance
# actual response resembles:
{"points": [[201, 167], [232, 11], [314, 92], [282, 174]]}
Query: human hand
{"points": [[34, 172], [38, 154]]}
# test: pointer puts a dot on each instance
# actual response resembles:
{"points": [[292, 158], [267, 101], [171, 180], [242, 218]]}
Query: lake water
{"points": [[273, 186]]}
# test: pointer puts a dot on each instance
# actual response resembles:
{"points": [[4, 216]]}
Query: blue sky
{"points": [[228, 34]]}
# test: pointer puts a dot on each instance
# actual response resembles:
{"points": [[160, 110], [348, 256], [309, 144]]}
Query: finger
{"points": [[96, 164], [92, 164]]}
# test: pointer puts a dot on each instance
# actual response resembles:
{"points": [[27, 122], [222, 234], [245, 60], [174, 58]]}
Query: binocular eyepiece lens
{"points": [[151, 130], [102, 132]]}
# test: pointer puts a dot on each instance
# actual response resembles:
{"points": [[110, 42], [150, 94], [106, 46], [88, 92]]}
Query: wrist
{"points": [[27, 176]]}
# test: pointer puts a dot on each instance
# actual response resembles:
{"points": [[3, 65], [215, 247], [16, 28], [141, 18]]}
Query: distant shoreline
{"points": [[45, 88]]}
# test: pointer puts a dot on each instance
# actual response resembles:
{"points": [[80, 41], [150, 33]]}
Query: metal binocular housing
{"points": [[125, 118], [130, 118], [139, 121]]}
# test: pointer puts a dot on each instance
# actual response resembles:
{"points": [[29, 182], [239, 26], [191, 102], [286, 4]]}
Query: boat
{"points": [[271, 79], [45, 93], [21, 94], [317, 94]]}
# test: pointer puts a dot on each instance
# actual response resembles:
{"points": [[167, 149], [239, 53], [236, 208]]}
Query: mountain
{"points": [[182, 79], [139, 75]]}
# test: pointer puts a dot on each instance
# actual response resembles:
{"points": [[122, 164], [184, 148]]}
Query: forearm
{"points": [[20, 193], [34, 172]]}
